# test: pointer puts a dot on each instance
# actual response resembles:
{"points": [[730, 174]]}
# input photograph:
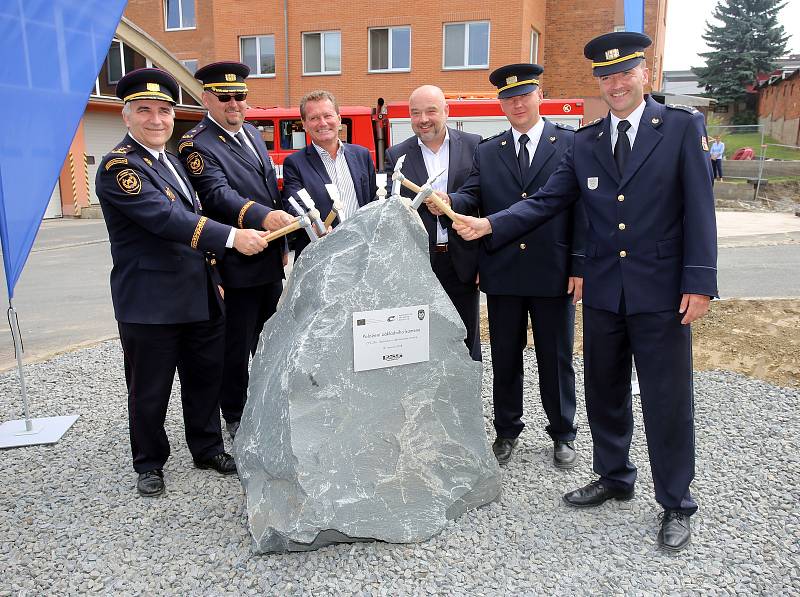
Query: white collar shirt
{"points": [[435, 162], [634, 118]]}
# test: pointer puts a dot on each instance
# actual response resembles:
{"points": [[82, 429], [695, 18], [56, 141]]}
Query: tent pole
{"points": [[12, 317]]}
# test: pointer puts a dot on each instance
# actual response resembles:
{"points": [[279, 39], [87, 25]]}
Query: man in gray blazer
{"points": [[436, 146]]}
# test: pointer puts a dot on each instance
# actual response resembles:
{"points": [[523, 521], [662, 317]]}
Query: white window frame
{"points": [[258, 55], [534, 46], [121, 48], [467, 66], [391, 36], [321, 34], [180, 16]]}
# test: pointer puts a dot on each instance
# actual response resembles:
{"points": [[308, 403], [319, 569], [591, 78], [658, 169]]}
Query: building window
{"points": [[190, 65], [390, 49], [179, 14], [534, 46], [322, 53], [259, 54], [116, 63], [466, 45]]}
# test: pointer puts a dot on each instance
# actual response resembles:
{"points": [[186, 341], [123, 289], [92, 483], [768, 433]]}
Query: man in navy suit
{"points": [[434, 147], [165, 290], [644, 175], [328, 161], [535, 276], [233, 173]]}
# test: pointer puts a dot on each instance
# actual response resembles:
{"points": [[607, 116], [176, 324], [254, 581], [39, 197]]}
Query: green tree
{"points": [[746, 41]]}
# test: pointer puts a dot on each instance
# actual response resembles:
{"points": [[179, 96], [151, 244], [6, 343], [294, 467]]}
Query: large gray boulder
{"points": [[327, 454]]}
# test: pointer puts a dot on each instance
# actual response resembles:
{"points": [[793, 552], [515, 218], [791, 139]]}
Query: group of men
{"points": [[192, 286]]}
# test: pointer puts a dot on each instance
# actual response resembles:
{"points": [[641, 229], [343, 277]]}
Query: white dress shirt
{"points": [[634, 118], [534, 134], [339, 173], [434, 162]]}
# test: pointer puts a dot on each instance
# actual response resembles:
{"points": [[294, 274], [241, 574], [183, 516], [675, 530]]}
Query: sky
{"points": [[686, 23]]}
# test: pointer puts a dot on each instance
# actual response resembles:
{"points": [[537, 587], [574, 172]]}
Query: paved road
{"points": [[63, 297]]}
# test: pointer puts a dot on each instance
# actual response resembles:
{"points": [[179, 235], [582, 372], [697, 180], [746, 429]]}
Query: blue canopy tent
{"points": [[50, 54]]}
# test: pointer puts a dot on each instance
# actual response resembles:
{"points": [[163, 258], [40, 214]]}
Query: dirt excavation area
{"points": [[759, 338]]}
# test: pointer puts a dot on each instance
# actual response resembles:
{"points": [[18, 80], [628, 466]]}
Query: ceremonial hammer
{"points": [[422, 192]]}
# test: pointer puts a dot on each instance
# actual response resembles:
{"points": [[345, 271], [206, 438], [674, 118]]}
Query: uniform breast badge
{"points": [[592, 182], [129, 181]]}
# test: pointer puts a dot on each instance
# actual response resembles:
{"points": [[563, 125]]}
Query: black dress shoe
{"points": [[222, 463], [503, 447], [676, 532], [564, 455], [150, 483], [232, 428], [594, 494]]}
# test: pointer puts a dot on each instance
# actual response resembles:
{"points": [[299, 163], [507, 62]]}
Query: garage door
{"points": [[102, 132], [54, 206]]}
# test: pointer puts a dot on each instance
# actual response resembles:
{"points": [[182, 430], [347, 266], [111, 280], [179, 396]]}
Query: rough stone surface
{"points": [[330, 455], [71, 522]]}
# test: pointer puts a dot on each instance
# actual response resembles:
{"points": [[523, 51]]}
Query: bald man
{"points": [[436, 146]]}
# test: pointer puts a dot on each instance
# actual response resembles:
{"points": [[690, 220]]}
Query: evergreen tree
{"points": [[746, 43]]}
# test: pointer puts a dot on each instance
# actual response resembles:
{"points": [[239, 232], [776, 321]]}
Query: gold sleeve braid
{"points": [[198, 230], [243, 211]]}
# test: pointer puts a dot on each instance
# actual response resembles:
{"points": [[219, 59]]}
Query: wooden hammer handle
{"points": [[283, 231], [437, 200], [329, 220]]}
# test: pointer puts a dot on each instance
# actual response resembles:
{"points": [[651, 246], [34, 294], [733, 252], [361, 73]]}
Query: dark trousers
{"points": [[716, 168], [246, 310], [553, 320], [465, 297], [152, 353], [662, 349]]}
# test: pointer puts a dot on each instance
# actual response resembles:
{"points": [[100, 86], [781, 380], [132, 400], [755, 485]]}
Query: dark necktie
{"points": [[240, 138], [522, 157], [623, 147], [176, 182]]}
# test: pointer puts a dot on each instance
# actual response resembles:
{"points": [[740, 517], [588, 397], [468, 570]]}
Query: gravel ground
{"points": [[71, 522]]}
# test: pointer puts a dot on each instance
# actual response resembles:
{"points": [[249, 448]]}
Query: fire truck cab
{"points": [[388, 124], [483, 117]]}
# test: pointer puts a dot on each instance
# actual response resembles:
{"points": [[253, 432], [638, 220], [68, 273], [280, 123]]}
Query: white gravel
{"points": [[72, 523]]}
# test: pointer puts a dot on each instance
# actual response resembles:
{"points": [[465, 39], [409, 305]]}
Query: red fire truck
{"points": [[386, 124]]}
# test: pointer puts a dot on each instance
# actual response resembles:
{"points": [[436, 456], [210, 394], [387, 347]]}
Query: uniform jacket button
{"points": [[524, 195], [523, 246], [623, 254], [621, 226], [620, 197]]}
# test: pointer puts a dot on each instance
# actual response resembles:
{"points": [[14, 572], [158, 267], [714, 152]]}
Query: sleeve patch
{"points": [[185, 144], [129, 181], [195, 163], [116, 162]]}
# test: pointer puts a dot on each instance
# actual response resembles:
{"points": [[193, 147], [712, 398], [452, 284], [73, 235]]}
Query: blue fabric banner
{"points": [[634, 15], [50, 54]]}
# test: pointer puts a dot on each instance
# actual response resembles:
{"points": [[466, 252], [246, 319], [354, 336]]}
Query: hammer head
{"points": [[398, 166], [433, 177]]}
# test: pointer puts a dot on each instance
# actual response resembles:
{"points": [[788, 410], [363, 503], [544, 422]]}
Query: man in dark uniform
{"points": [[535, 276], [434, 147], [231, 169], [327, 161], [166, 299], [644, 175]]}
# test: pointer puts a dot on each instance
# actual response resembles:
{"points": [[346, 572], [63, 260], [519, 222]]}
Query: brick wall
{"points": [[564, 28]]}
